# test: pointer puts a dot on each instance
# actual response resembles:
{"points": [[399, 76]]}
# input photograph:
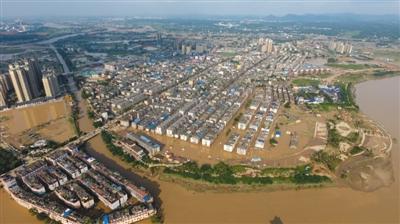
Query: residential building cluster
{"points": [[198, 110], [191, 99], [130, 214], [78, 181], [254, 124], [129, 87]]}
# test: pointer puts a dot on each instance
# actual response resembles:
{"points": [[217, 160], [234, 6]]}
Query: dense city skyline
{"points": [[163, 8]]}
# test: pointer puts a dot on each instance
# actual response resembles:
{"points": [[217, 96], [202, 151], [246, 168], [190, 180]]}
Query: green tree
{"points": [[8, 160], [330, 161], [332, 60], [333, 137], [356, 150], [85, 95]]}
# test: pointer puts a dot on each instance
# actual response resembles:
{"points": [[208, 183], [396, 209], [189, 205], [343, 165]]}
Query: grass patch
{"points": [[349, 66], [306, 82], [380, 74], [248, 103], [324, 75], [353, 137], [356, 149], [352, 77], [228, 54], [359, 77], [321, 107]]}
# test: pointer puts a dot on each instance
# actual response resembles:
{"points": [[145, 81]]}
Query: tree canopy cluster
{"points": [[8, 160], [222, 173]]}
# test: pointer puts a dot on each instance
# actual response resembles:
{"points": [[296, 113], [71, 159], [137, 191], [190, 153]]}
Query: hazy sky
{"points": [[22, 8]]}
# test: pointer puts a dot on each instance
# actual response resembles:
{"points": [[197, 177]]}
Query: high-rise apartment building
{"points": [[25, 76], [35, 75], [159, 39], [3, 96], [201, 48], [5, 86], [6, 81], [51, 86], [19, 78], [266, 45], [340, 47]]}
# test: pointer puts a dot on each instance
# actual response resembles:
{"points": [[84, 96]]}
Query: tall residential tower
{"points": [[51, 86], [26, 79]]}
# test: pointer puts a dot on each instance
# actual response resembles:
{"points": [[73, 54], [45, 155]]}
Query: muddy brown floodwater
{"points": [[49, 120], [13, 213]]}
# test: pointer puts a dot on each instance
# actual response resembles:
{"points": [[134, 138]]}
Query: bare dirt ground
{"points": [[367, 174]]}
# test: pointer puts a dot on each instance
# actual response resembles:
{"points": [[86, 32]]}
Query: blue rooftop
{"points": [[67, 212], [106, 219]]}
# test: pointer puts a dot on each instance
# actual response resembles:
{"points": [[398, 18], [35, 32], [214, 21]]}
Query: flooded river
{"points": [[13, 213], [378, 99]]}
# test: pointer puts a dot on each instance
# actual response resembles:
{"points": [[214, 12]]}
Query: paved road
{"points": [[60, 59]]}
